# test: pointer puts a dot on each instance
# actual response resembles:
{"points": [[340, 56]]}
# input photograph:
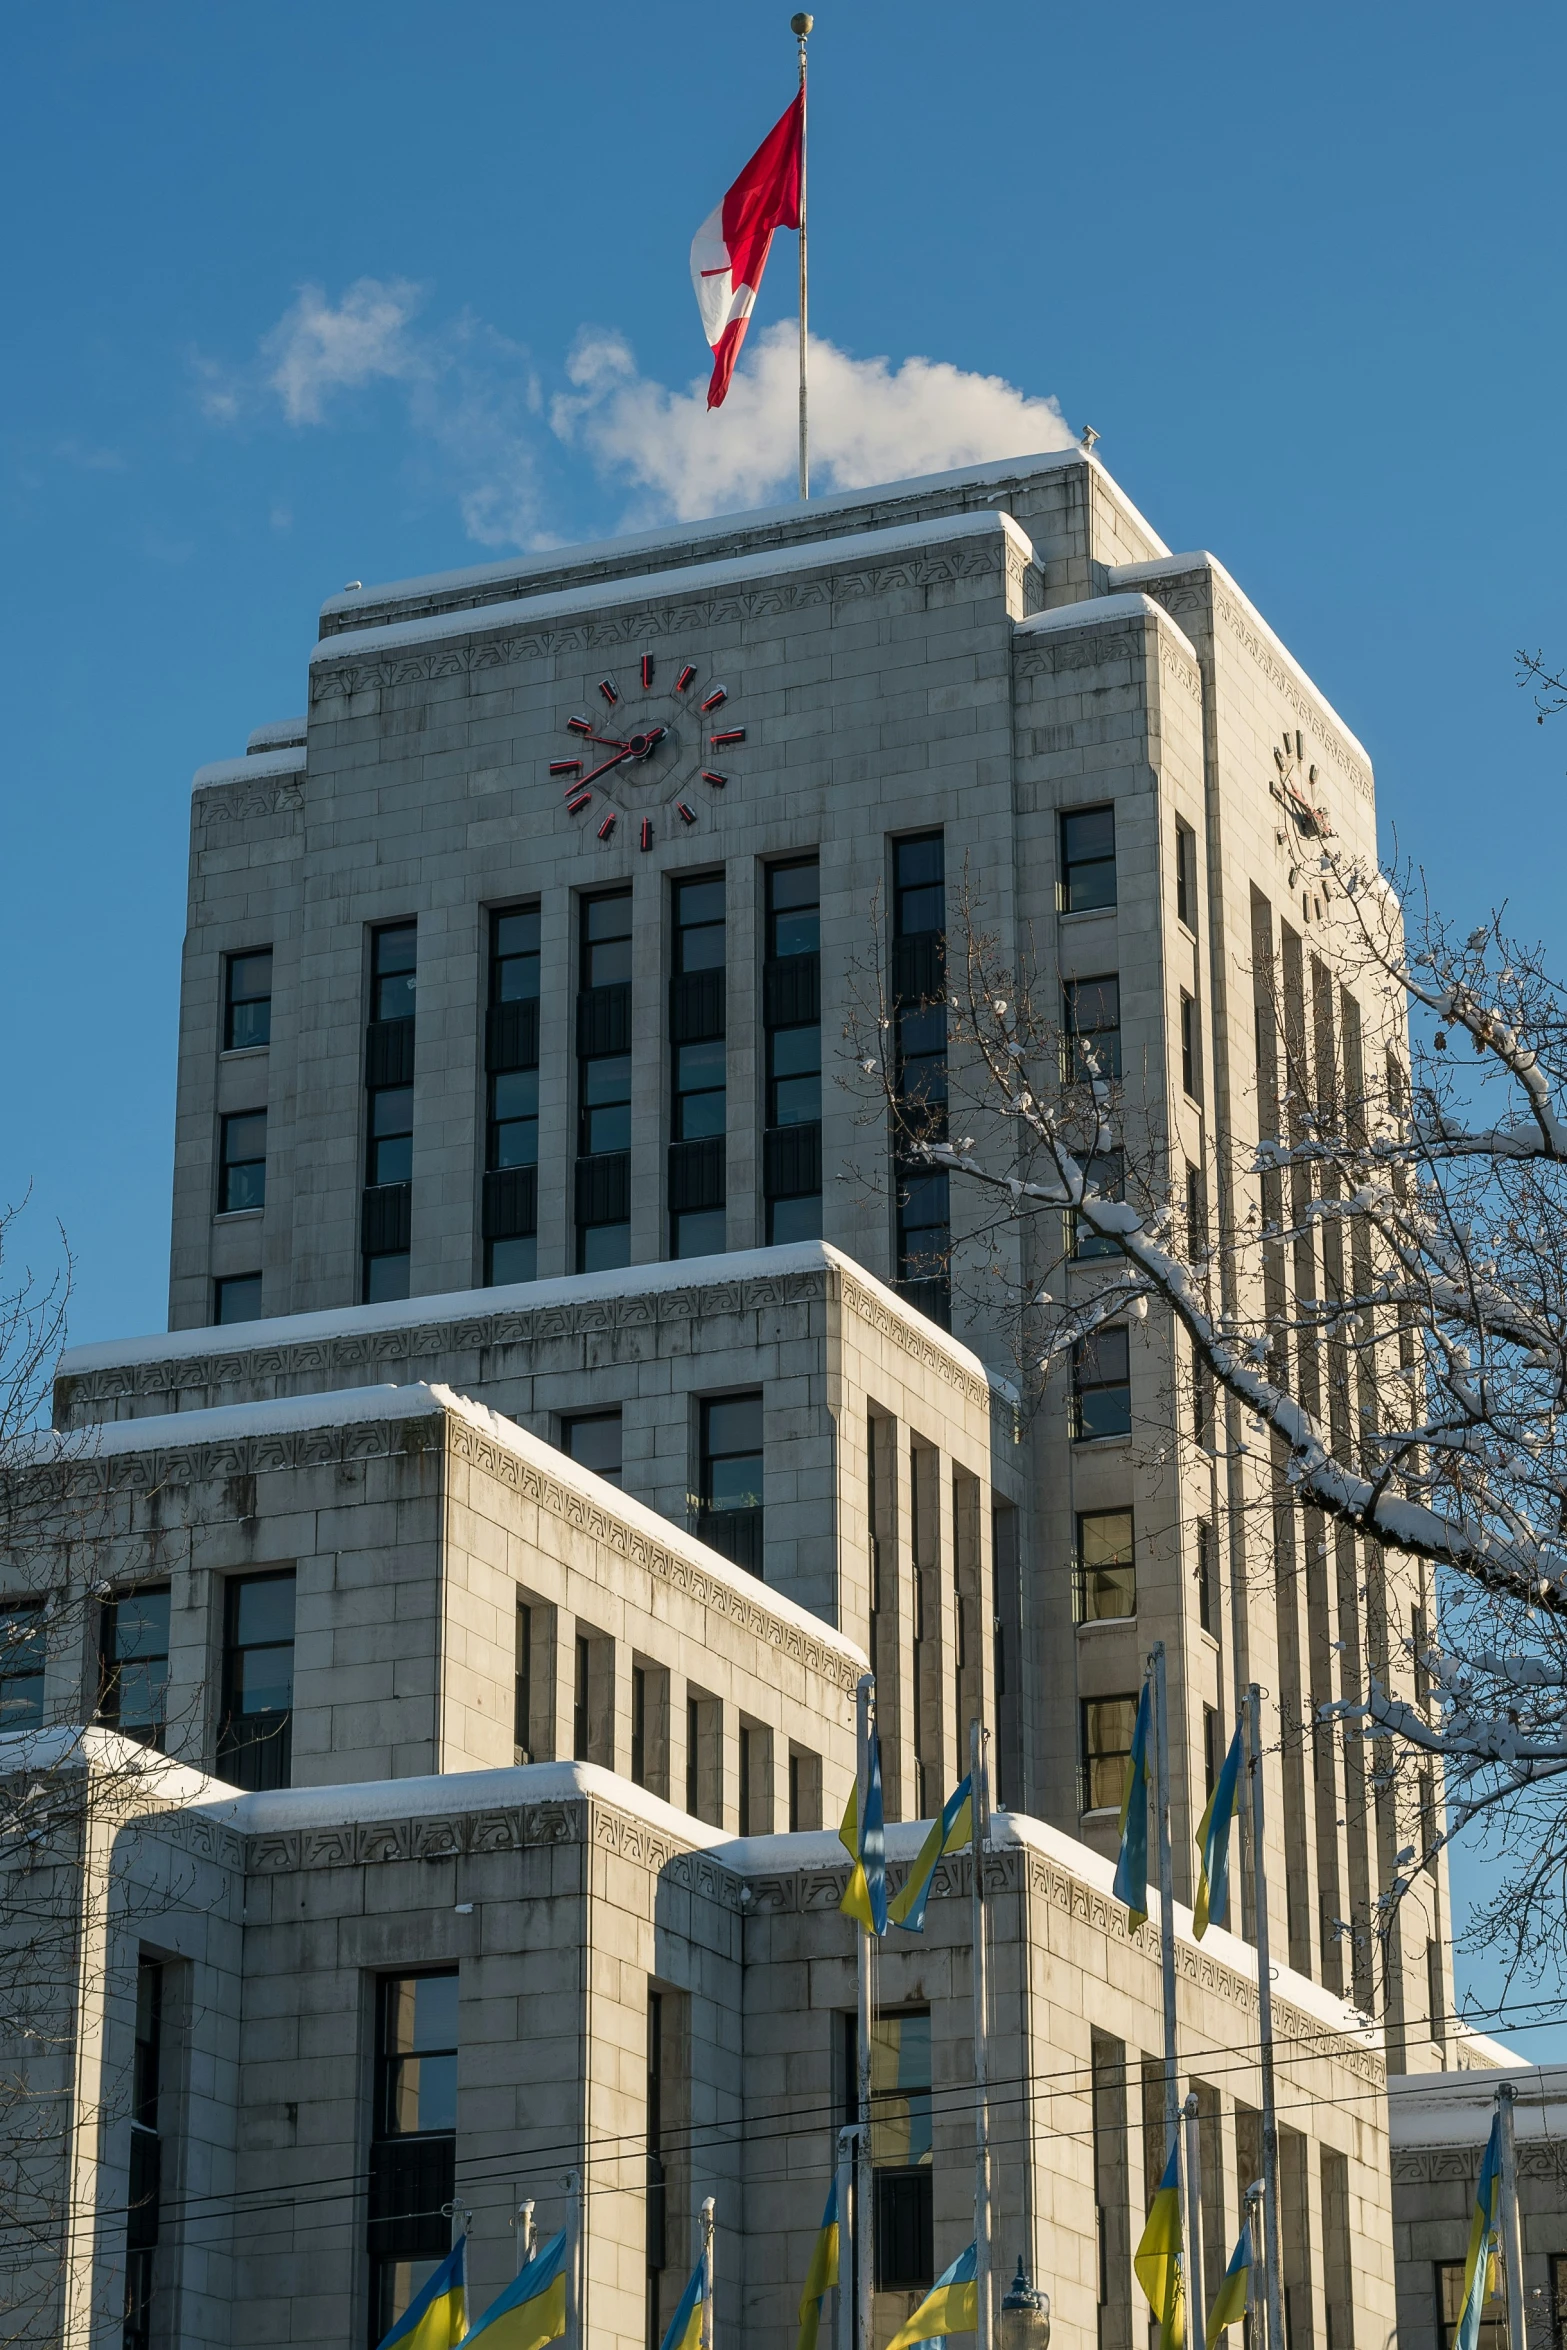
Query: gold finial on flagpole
{"points": [[800, 26]]}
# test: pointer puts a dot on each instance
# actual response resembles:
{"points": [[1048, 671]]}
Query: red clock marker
{"points": [[647, 671], [719, 694], [718, 742], [607, 689], [686, 815], [579, 726], [685, 677], [580, 801], [565, 767], [647, 832], [607, 827], [717, 781]]}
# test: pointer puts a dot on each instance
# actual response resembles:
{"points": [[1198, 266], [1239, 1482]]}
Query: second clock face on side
{"points": [[648, 751]]}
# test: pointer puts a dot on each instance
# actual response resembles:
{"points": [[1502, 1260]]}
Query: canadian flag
{"points": [[729, 250]]}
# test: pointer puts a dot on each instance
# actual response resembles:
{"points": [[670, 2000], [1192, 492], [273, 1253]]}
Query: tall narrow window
{"points": [[133, 1658], [1091, 1030], [920, 1070], [413, 2153], [255, 1740], [1106, 1173], [386, 1212], [1106, 1566], [145, 2184], [1186, 874], [902, 2150], [656, 2221], [247, 1007], [22, 1654], [792, 1019], [698, 1071], [237, 1298], [729, 1506], [593, 1438], [511, 1061], [603, 1199], [1204, 1572], [1101, 1386], [1108, 1723], [582, 1673], [1191, 1048], [1087, 860], [242, 1162]]}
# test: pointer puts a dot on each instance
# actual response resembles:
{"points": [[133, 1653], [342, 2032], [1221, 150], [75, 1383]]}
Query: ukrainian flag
{"points": [[1131, 1867], [1480, 2265], [1213, 1839], [866, 1897], [1157, 2259], [950, 1833], [532, 2310], [950, 2307], [436, 2316], [685, 2327], [823, 2273], [1230, 2306]]}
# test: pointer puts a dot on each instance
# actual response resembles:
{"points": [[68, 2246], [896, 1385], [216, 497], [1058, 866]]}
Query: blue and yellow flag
{"points": [[866, 1897], [1131, 1867], [685, 2327], [948, 1834], [1213, 1840], [950, 2307], [1480, 2263], [823, 2273], [1157, 2260], [1230, 2306], [437, 2314], [532, 2310]]}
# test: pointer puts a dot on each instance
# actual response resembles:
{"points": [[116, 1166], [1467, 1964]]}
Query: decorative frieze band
{"points": [[234, 803], [1434, 2166]]}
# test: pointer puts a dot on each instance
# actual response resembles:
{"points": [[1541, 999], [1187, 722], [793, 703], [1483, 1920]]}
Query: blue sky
{"points": [[302, 295]]}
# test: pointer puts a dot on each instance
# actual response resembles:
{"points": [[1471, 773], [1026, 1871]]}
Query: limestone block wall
{"points": [[1439, 2124]]}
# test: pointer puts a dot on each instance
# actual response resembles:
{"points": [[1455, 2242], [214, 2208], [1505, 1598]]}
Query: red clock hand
{"points": [[605, 765]]}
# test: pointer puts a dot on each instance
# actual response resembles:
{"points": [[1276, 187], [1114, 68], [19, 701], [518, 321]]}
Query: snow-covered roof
{"points": [[1454, 2108], [250, 769], [870, 546], [278, 734], [354, 1407], [281, 1330], [1130, 575], [677, 538], [1100, 612]]}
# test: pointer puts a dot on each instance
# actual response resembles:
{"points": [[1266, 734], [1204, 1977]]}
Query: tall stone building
{"points": [[569, 1392]]}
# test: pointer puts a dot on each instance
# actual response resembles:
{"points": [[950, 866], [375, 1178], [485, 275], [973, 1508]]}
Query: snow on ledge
{"points": [[871, 546], [277, 735], [254, 765], [571, 1289], [354, 1407], [1100, 612], [1130, 575]]}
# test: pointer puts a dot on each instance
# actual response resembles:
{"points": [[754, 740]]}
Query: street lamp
{"points": [[1025, 2316]]}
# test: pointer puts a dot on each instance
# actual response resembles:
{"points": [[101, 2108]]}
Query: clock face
{"points": [[648, 751]]}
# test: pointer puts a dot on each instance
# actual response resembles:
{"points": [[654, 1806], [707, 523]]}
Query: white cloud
{"points": [[870, 422], [316, 349], [484, 433]]}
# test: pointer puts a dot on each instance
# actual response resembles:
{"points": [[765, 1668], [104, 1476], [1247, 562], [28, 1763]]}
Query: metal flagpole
{"points": [[524, 2234], [573, 2186], [1270, 2130], [707, 2274], [800, 26], [864, 2221], [979, 1798], [1196, 2305], [848, 2141], [1161, 1735], [1512, 2236]]}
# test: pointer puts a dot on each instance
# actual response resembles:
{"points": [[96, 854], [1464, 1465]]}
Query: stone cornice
{"points": [[1431, 2166], [232, 803], [657, 609]]}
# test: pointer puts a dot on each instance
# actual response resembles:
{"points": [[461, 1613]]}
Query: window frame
{"points": [[1074, 1035], [1125, 1566], [229, 1167], [233, 1003], [154, 1733], [276, 1745], [1068, 865], [12, 1614], [1082, 1388], [1089, 1756], [225, 1282], [573, 1420]]}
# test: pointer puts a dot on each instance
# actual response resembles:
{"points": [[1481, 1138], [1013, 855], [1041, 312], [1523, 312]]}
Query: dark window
{"points": [[514, 956], [729, 1506], [919, 885], [582, 1671], [1107, 1174], [242, 1162], [1204, 1572], [1087, 860], [413, 2154], [1191, 1048], [146, 2151], [255, 1739], [792, 1009], [1186, 874], [133, 1655], [1108, 1723], [1101, 1386], [1450, 2302], [22, 1657], [698, 1072], [699, 925], [386, 1277], [902, 2149], [1106, 1566], [247, 1012], [237, 1298], [604, 1084], [920, 1018], [1091, 1020], [393, 957], [391, 1135], [594, 1440], [1203, 1418], [639, 1725], [1196, 1214]]}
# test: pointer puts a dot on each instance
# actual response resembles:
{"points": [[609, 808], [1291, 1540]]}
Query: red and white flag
{"points": [[729, 250]]}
